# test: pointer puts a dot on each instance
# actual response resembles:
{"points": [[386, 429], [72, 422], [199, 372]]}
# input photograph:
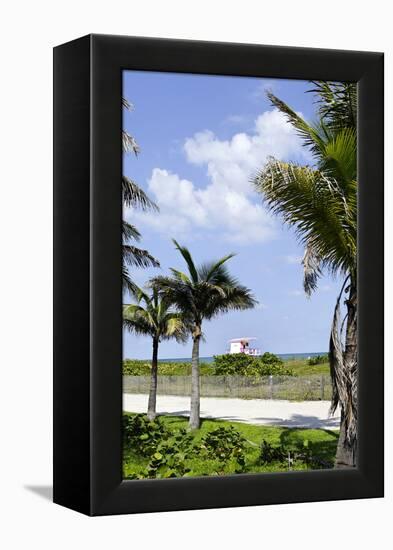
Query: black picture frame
{"points": [[87, 274]]}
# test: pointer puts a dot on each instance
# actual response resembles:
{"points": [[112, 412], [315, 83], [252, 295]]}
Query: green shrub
{"points": [[245, 365], [292, 455], [232, 363], [170, 369], [133, 367], [138, 367], [142, 434], [224, 365], [169, 459], [271, 453], [317, 359], [225, 444], [271, 359], [167, 450]]}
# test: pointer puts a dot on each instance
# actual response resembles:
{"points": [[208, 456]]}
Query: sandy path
{"points": [[305, 414]]}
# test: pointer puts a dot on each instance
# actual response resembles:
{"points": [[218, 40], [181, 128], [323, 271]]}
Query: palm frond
{"points": [[129, 143], [340, 159], [337, 103], [155, 318], [138, 257], [188, 258], [316, 207], [207, 271], [210, 290], [311, 269], [176, 292], [135, 329], [313, 136], [132, 310], [181, 276], [127, 282], [220, 289], [219, 276], [176, 327], [126, 104], [130, 232], [140, 294], [133, 195], [238, 298]]}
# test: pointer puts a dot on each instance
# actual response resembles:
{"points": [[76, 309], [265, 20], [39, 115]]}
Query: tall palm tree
{"points": [[153, 316], [133, 196], [320, 203], [203, 293]]}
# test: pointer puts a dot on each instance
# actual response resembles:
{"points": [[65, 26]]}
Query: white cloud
{"points": [[183, 208], [178, 194], [261, 306], [227, 203], [232, 162]]}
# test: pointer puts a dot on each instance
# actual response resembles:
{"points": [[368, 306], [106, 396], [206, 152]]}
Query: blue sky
{"points": [[201, 139]]}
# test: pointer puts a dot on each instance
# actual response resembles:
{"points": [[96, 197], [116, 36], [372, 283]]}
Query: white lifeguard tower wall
{"points": [[242, 345], [235, 347]]}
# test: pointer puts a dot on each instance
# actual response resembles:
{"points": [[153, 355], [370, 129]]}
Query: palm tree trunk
{"points": [[195, 390], [151, 408], [347, 443], [345, 455]]}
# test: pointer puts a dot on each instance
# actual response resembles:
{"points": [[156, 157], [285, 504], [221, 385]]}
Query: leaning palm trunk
{"points": [[151, 408], [343, 364], [195, 389]]}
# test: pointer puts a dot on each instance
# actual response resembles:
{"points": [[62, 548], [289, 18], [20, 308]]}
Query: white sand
{"points": [[305, 414]]}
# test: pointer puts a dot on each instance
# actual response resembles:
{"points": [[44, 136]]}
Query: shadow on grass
{"points": [[301, 421], [322, 448], [297, 421]]}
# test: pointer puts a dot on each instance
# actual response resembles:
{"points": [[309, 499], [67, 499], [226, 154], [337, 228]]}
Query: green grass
{"points": [[136, 367], [322, 442], [300, 367]]}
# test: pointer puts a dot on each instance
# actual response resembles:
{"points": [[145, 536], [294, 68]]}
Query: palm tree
{"points": [[133, 196], [157, 319], [204, 293], [319, 201]]}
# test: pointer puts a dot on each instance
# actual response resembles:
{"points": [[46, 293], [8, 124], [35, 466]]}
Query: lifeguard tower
{"points": [[242, 345]]}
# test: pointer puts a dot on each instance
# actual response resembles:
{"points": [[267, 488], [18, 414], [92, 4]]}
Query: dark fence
{"points": [[296, 388]]}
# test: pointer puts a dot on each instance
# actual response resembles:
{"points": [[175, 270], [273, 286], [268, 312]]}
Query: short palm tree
{"points": [[320, 202], [153, 316], [203, 293], [134, 196]]}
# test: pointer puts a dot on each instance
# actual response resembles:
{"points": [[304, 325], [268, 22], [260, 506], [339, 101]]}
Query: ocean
{"points": [[283, 356]]}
